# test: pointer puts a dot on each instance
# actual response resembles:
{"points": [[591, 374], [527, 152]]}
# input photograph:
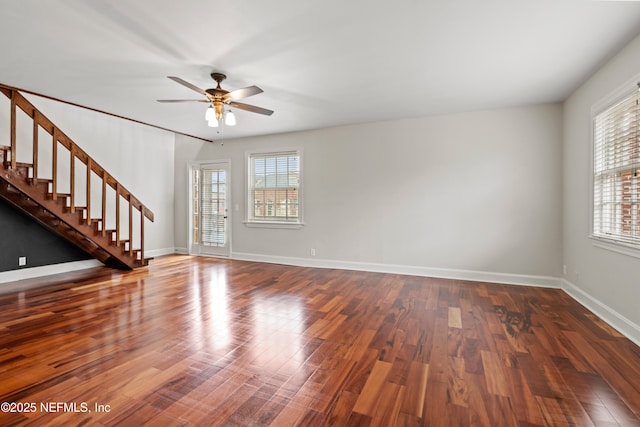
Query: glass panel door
{"points": [[209, 209]]}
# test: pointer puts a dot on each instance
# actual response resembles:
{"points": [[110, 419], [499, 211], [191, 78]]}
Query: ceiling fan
{"points": [[218, 98]]}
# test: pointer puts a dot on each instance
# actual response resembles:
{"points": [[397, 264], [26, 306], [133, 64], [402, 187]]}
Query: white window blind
{"points": [[274, 188], [616, 195]]}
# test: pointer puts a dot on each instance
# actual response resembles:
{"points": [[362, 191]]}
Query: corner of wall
{"points": [[619, 322]]}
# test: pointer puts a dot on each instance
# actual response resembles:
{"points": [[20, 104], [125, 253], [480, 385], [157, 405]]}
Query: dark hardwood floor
{"points": [[203, 341]]}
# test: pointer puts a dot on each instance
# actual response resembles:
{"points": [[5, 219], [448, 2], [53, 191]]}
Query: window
{"points": [[616, 165], [274, 188]]}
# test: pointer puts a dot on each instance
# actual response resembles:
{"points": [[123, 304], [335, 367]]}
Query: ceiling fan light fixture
{"points": [[229, 118], [210, 114], [218, 98]]}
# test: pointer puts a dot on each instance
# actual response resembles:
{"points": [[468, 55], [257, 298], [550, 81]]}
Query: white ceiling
{"points": [[320, 63]]}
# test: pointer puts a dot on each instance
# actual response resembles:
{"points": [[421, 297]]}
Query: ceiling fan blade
{"points": [[182, 100], [251, 108], [242, 93], [189, 85]]}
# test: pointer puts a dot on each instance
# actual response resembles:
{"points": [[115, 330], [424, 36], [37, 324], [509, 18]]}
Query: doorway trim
{"points": [[192, 248]]}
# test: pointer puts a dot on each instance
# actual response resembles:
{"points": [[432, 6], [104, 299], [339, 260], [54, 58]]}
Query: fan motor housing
{"points": [[217, 92]]}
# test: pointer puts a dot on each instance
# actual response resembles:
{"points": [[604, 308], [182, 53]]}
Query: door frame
{"points": [[193, 249]]}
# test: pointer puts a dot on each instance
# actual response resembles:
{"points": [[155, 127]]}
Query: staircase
{"points": [[32, 186]]}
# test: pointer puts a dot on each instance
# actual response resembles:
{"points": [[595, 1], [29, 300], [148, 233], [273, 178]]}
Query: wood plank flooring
{"points": [[208, 342]]}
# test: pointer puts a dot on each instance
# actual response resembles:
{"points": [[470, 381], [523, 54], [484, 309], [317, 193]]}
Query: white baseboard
{"points": [[46, 270], [444, 273], [66, 267], [159, 252], [625, 326], [616, 320]]}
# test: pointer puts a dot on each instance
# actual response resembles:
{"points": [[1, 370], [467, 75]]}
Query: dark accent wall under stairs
{"points": [[22, 236]]}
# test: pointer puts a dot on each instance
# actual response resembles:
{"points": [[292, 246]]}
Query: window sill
{"points": [[617, 247], [266, 224]]}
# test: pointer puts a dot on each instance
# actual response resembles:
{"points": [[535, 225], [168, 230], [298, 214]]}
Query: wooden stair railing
{"points": [[22, 185]]}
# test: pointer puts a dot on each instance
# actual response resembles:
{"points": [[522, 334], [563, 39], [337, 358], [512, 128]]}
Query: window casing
{"points": [[274, 193], [616, 166]]}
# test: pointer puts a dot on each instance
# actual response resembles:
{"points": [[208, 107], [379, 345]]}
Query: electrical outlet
{"points": [[564, 269], [22, 261], [313, 251]]}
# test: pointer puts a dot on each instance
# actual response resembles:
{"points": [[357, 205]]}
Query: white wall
{"points": [[607, 281], [473, 192], [140, 157]]}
